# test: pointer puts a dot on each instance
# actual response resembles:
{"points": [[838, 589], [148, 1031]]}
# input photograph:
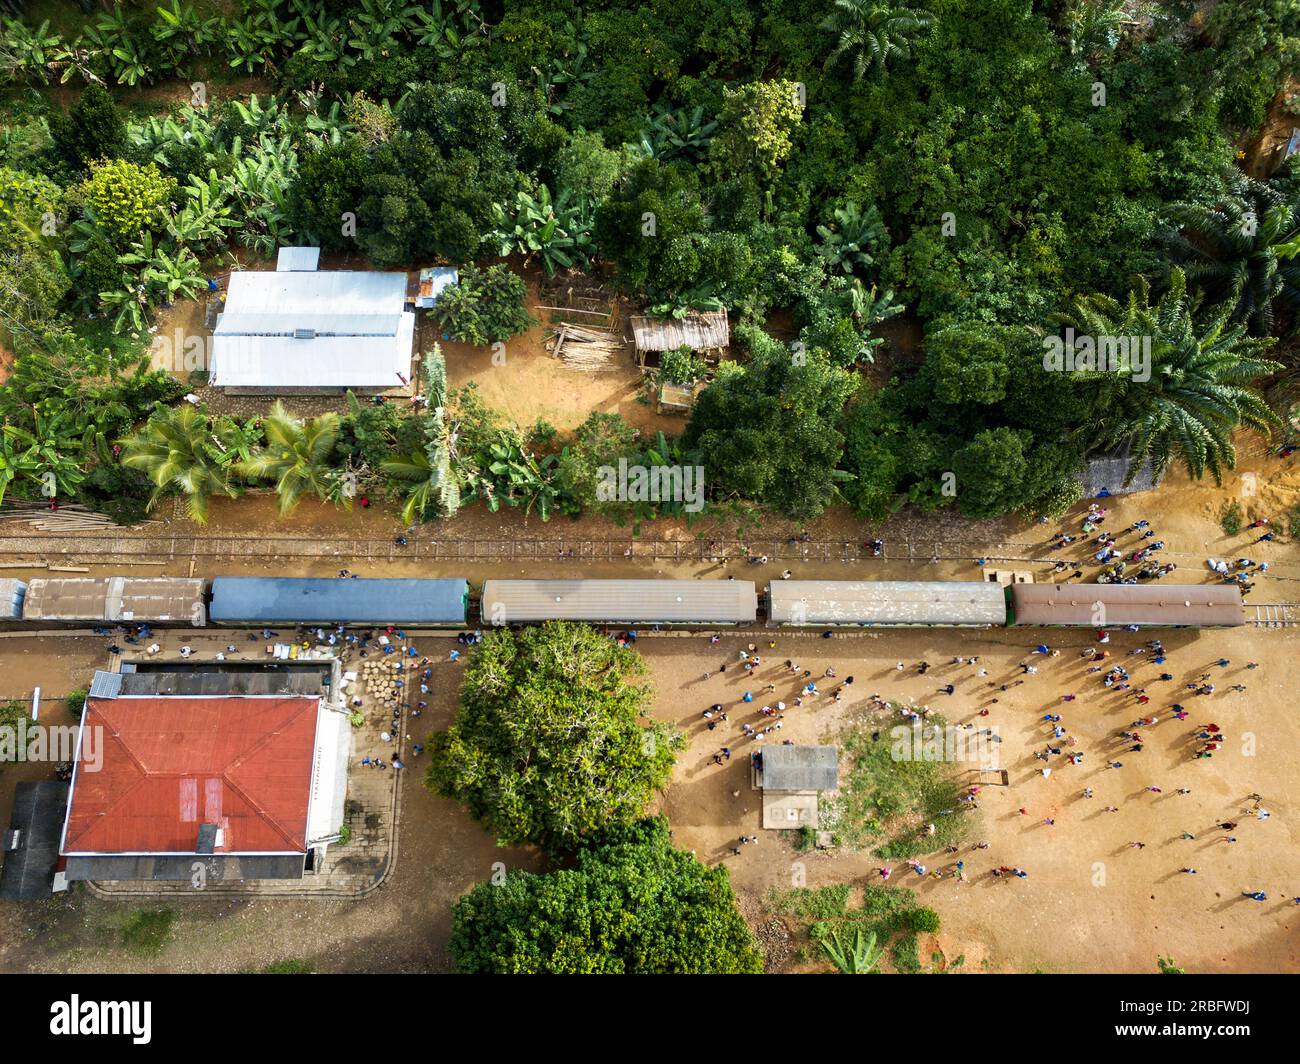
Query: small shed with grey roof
{"points": [[631, 602], [1104, 472], [827, 603], [791, 778]]}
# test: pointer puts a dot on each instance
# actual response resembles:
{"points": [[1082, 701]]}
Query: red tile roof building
{"points": [[172, 763]]}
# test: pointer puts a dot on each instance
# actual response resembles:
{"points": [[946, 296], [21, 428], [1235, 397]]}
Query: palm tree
{"points": [[1094, 26], [296, 456], [1242, 250], [178, 449], [1197, 393], [860, 957], [872, 33]]}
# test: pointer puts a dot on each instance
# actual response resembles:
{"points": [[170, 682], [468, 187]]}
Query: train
{"points": [[251, 601]]}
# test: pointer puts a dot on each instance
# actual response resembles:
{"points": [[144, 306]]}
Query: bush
{"points": [[1231, 518], [127, 199], [682, 366], [92, 129], [485, 306]]}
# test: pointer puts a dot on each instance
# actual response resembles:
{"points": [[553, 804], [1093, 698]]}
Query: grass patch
{"points": [[146, 931], [889, 913], [1293, 521], [806, 903], [886, 800]]}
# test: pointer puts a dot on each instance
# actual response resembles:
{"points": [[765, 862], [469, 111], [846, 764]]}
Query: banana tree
{"points": [[237, 441], [181, 30], [167, 274], [375, 29], [53, 451], [325, 40], [27, 51], [204, 215], [853, 243], [116, 39], [432, 476], [129, 306], [677, 134], [16, 461], [75, 59], [558, 231]]}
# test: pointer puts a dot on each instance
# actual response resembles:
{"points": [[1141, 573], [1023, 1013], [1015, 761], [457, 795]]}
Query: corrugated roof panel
{"points": [[885, 602], [800, 768], [313, 600], [620, 601], [269, 325], [1107, 605], [106, 684], [155, 751], [313, 300], [129, 599], [286, 362], [297, 259]]}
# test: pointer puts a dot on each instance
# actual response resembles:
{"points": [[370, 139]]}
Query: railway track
{"points": [[1275, 615]]}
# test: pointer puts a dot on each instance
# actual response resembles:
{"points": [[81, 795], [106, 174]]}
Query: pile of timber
{"points": [[582, 348], [72, 517]]}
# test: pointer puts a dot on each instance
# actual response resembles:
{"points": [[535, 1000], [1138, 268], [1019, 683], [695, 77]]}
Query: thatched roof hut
{"points": [[708, 333]]}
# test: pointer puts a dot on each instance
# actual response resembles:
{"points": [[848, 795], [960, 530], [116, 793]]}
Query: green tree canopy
{"points": [[769, 431], [632, 904], [550, 745]]}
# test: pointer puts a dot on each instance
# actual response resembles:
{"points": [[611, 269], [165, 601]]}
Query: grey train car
{"points": [[620, 602], [885, 603]]}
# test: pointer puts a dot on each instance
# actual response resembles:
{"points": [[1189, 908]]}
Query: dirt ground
{"points": [[1090, 903]]}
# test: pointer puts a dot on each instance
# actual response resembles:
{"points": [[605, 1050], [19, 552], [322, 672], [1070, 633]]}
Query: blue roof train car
{"points": [[239, 600]]}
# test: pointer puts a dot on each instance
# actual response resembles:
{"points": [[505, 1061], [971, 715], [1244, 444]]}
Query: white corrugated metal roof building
{"points": [[298, 331]]}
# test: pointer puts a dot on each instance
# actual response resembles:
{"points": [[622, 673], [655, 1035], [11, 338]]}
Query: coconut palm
{"points": [[859, 957], [1197, 394], [872, 34], [1243, 250], [178, 449], [297, 457]]}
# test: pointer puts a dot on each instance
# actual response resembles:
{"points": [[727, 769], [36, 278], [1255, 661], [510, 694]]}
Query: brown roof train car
{"points": [[1108, 605]]}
